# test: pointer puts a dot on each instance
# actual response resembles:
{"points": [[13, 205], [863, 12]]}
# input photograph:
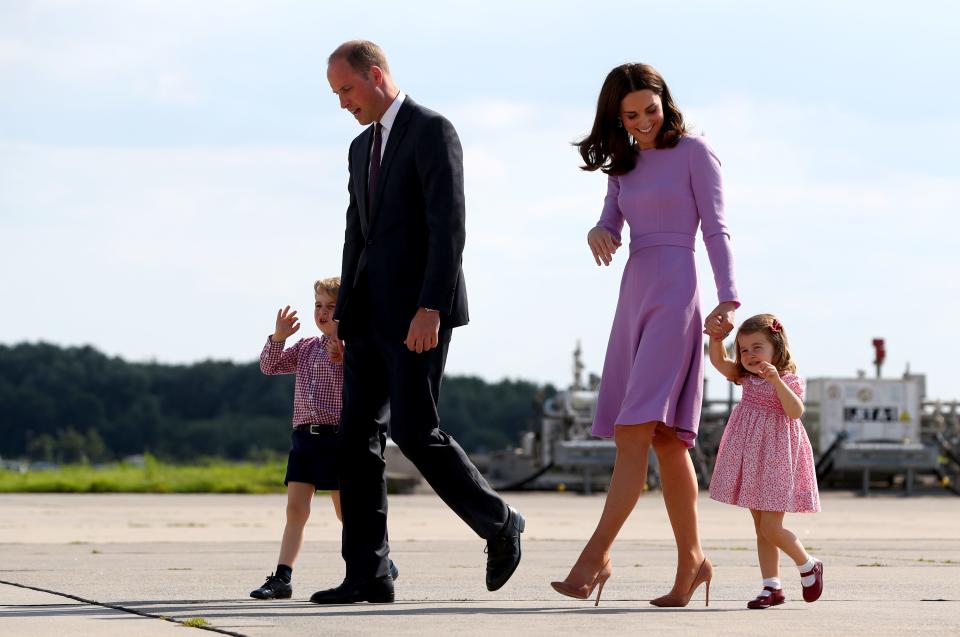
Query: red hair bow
{"points": [[776, 326]]}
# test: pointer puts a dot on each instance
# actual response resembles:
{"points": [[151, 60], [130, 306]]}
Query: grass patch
{"points": [[152, 477], [873, 564], [196, 622]]}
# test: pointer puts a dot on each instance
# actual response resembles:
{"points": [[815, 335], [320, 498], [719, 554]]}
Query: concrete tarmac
{"points": [[117, 564]]}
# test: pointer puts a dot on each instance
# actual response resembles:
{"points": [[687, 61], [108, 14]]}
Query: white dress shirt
{"points": [[389, 117]]}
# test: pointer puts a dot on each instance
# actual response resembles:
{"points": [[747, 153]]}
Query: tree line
{"points": [[75, 404]]}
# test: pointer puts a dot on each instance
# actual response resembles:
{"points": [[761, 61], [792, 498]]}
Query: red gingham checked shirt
{"points": [[318, 393]]}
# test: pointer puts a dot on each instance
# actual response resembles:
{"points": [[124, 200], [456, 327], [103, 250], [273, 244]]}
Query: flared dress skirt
{"points": [[765, 461], [653, 370]]}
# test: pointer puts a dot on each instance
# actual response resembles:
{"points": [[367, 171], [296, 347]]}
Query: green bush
{"points": [[75, 405], [153, 477]]}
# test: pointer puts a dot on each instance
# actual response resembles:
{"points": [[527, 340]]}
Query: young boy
{"points": [[314, 445]]}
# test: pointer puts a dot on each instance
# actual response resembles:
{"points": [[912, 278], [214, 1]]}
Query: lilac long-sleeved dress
{"points": [[653, 370]]}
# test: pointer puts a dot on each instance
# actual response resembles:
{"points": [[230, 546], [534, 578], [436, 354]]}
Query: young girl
{"points": [[765, 462]]}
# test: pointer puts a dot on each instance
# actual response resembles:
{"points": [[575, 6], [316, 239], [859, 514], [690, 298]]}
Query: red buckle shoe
{"points": [[775, 598], [812, 593]]}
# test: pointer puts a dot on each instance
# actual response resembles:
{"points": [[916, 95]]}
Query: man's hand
{"points": [[424, 333], [287, 325]]}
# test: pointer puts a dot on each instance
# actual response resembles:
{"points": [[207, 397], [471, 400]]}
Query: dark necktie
{"points": [[374, 163]]}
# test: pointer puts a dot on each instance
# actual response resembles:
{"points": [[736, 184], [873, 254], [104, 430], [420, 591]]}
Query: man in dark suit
{"points": [[401, 295]]}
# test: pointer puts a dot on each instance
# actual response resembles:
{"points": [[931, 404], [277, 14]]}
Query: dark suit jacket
{"points": [[407, 249]]}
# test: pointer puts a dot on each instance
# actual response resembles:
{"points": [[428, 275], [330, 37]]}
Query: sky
{"points": [[172, 172]]}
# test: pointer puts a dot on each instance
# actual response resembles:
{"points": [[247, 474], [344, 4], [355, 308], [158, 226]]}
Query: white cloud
{"points": [[173, 254], [173, 87], [142, 47], [12, 52], [493, 113], [839, 224], [841, 258]]}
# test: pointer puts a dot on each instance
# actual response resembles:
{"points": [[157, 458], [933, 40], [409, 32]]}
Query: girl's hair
{"points": [[608, 146], [329, 286], [770, 326]]}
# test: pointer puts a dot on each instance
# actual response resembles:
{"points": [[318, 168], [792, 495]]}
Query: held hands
{"points": [[719, 322], [335, 345], [602, 245], [287, 325], [424, 333]]}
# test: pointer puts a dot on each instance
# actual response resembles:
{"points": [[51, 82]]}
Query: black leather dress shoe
{"points": [[376, 591], [503, 551]]}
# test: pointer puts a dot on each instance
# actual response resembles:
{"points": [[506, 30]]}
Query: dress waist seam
{"points": [[653, 239]]}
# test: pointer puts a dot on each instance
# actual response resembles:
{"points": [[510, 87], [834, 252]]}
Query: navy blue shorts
{"points": [[314, 456]]}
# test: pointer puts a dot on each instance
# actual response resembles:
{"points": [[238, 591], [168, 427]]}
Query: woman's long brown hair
{"points": [[608, 146]]}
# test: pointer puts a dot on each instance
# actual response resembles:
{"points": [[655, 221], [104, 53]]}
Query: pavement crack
{"points": [[124, 609]]}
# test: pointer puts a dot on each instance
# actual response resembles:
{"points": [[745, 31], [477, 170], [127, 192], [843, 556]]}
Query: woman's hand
{"points": [[602, 245], [719, 323]]}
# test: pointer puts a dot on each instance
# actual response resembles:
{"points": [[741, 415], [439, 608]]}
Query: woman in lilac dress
{"points": [[664, 183]]}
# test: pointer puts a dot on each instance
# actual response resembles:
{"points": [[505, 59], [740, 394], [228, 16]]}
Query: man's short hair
{"points": [[360, 55]]}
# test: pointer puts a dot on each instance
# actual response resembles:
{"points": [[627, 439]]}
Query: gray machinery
{"points": [[862, 429]]}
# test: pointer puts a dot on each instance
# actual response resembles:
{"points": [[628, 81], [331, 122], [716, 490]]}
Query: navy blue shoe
{"points": [[274, 588]]}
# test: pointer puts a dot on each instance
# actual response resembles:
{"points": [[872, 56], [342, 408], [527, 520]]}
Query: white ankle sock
{"points": [[772, 582], [806, 568]]}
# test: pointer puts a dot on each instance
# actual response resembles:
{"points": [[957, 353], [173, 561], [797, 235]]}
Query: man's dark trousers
{"points": [[382, 376]]}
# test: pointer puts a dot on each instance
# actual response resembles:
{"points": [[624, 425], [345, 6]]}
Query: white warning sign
{"points": [[867, 409]]}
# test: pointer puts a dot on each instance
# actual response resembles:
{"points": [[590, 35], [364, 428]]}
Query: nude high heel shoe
{"points": [[584, 591], [703, 576]]}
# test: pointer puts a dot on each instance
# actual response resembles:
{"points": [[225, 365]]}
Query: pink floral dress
{"points": [[765, 461]]}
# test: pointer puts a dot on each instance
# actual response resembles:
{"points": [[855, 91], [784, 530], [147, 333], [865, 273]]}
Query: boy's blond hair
{"points": [[329, 286]]}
